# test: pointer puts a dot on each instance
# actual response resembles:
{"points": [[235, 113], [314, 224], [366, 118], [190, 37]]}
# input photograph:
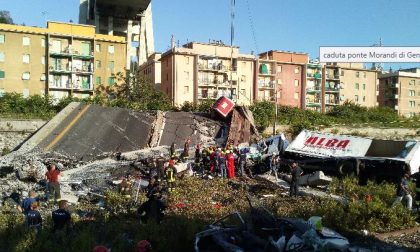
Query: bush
{"points": [[264, 113]]}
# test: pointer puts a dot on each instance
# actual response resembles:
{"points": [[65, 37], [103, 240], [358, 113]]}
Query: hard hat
{"points": [[171, 162]]}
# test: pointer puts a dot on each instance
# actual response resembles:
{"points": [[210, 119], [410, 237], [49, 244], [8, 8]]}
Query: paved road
{"points": [[90, 130]]}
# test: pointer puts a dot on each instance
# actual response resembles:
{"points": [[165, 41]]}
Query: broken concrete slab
{"points": [[317, 178]]}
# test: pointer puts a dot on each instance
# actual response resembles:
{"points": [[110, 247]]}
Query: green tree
{"points": [[134, 91], [264, 113], [5, 17]]}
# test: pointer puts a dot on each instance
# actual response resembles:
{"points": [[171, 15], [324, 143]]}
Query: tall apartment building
{"points": [[400, 90], [151, 69], [349, 82], [130, 19], [198, 71], [314, 88], [284, 72], [59, 60]]}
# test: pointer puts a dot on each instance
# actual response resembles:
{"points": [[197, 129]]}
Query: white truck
{"points": [[352, 155]]}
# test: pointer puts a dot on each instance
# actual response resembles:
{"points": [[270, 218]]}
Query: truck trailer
{"points": [[351, 155]]}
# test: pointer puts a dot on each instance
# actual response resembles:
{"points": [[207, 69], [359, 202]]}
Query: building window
{"points": [[411, 93], [2, 38], [364, 98], [187, 59], [25, 93], [98, 47], [187, 75], [98, 80], [43, 77], [167, 76], [111, 81], [111, 49], [243, 78], [98, 64], [296, 83], [412, 104], [111, 65], [186, 89], [243, 92], [342, 72], [43, 42], [26, 76], [279, 68], [1, 56], [26, 58], [43, 60], [26, 41], [296, 70], [296, 95], [357, 74], [2, 74], [364, 74], [412, 82], [364, 86], [356, 86], [356, 98]]}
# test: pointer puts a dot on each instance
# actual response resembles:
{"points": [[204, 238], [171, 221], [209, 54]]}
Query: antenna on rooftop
{"points": [[376, 65]]}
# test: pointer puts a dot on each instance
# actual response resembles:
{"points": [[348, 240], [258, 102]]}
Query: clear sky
{"points": [[291, 25]]}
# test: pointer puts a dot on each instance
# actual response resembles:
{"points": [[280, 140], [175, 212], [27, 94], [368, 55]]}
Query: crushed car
{"points": [[261, 231]]}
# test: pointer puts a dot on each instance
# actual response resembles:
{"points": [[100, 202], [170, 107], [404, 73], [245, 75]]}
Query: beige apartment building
{"points": [[151, 69], [60, 60], [349, 82], [198, 71], [400, 90]]}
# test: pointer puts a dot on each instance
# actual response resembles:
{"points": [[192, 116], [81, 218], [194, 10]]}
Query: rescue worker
{"points": [[172, 150], [186, 147], [161, 167], [416, 177], [230, 164], [153, 208], [171, 175], [213, 161], [197, 153], [296, 173], [242, 162], [27, 203], [125, 187], [53, 176], [283, 145], [144, 246], [273, 164], [33, 218], [61, 217], [403, 192], [221, 163]]}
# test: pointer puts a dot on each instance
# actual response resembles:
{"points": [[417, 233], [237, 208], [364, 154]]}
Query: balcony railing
{"points": [[70, 86], [214, 67]]}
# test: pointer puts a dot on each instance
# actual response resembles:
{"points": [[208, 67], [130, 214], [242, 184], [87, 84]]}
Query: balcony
{"points": [[332, 90], [333, 76], [78, 55], [314, 76], [266, 85], [59, 69], [64, 53], [312, 90], [214, 67], [84, 70], [313, 104]]}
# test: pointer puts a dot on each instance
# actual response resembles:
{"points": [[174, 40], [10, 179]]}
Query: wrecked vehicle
{"points": [[351, 155], [263, 232]]}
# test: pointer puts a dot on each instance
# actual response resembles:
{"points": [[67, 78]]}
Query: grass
{"points": [[197, 203]]}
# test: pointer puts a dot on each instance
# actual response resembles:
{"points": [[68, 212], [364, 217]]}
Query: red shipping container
{"points": [[224, 106]]}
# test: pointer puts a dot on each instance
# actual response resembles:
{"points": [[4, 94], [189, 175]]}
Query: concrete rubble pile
{"points": [[95, 147]]}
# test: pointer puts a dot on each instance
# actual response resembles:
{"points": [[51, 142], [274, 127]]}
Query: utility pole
{"points": [[232, 33], [275, 112]]}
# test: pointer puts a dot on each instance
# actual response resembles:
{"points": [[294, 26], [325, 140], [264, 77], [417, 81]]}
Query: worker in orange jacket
{"points": [[231, 164]]}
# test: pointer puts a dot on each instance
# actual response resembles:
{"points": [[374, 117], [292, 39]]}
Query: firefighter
{"points": [[186, 147], [230, 164], [242, 162], [171, 175]]}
